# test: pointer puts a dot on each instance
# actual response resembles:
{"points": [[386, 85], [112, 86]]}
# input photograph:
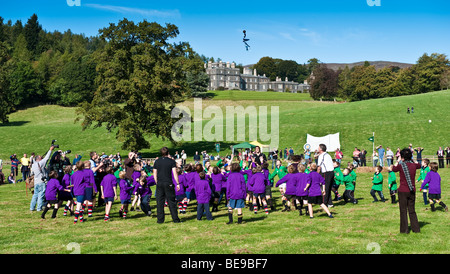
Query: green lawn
{"points": [[353, 230]]}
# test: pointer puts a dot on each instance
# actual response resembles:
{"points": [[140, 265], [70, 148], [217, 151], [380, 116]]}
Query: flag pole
{"points": [[373, 143]]}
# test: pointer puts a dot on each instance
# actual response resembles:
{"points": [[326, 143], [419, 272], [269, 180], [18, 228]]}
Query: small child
{"points": [[236, 192], [433, 179], [203, 192], [79, 186], [290, 180], [180, 194], [11, 179], [423, 173], [66, 195], [258, 183], [392, 181], [109, 190], [377, 181], [51, 193], [218, 179], [300, 193], [316, 187], [338, 177], [135, 178], [349, 193], [125, 194], [145, 193]]}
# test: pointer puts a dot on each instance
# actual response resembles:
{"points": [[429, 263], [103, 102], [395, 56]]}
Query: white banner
{"points": [[331, 141]]}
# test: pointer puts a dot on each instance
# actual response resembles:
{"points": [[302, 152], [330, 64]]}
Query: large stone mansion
{"points": [[227, 76]]}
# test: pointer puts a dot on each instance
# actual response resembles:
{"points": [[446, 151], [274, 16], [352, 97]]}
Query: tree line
{"points": [[430, 73], [128, 63]]}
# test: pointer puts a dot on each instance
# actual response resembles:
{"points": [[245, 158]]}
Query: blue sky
{"points": [[338, 31]]}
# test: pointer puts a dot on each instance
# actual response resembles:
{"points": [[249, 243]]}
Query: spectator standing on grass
{"points": [[381, 152], [163, 170], [14, 164], [418, 151], [362, 157], [447, 152], [439, 153], [389, 156], [326, 169], [25, 169], [407, 191], [40, 174]]}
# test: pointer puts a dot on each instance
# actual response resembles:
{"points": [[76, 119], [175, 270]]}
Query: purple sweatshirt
{"points": [[135, 176], [183, 184], [258, 183], [125, 190], [433, 179], [66, 181], [291, 181], [145, 190], [89, 179], [217, 181], [53, 187], [249, 173], [78, 182], [108, 183], [236, 186], [302, 180], [190, 181], [316, 182], [202, 191]]}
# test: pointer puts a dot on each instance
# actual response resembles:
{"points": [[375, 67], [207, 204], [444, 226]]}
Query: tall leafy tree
{"points": [[143, 71]]}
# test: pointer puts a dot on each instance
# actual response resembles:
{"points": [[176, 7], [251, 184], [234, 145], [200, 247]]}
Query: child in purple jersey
{"points": [[180, 194], [258, 183], [289, 195], [302, 196], [316, 190], [190, 182], [236, 192], [203, 192], [51, 194], [135, 177], [109, 190], [79, 185], [67, 195], [91, 188], [218, 179], [144, 191], [125, 194], [433, 179]]}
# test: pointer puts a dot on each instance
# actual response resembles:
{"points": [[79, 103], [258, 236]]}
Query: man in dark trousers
{"points": [[326, 169], [163, 169]]}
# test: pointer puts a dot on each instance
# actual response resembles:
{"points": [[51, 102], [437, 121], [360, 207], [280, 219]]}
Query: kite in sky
{"points": [[245, 40]]}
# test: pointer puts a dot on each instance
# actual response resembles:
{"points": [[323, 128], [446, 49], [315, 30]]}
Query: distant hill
{"points": [[377, 64]]}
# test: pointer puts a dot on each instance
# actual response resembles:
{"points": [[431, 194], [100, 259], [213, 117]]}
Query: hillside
{"points": [[377, 64]]}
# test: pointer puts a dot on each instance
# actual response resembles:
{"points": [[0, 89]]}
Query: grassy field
{"points": [[354, 229]]}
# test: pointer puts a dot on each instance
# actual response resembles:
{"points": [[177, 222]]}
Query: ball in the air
{"points": [[429, 121]]}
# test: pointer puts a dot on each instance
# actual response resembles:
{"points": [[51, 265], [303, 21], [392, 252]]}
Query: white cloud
{"points": [[287, 36], [143, 12]]}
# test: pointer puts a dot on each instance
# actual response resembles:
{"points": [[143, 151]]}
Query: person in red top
{"points": [[407, 190]]}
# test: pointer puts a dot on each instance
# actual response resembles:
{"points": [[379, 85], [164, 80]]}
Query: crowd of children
{"points": [[239, 184]]}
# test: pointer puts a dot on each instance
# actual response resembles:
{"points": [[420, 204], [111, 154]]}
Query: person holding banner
{"points": [[326, 169]]}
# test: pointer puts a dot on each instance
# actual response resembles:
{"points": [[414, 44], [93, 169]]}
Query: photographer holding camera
{"points": [[40, 178]]}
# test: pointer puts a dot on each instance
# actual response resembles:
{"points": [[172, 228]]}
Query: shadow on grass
{"points": [[191, 147], [14, 124]]}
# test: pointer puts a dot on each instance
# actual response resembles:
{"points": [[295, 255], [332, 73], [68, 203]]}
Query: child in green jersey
{"points": [[392, 182], [377, 181], [349, 193], [423, 173]]}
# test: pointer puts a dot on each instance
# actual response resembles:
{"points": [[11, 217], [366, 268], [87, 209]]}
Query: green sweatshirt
{"points": [[280, 171], [392, 181], [338, 176], [348, 181], [377, 182]]}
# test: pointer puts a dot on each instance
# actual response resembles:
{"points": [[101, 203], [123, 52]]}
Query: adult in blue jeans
{"points": [[380, 154], [40, 173]]}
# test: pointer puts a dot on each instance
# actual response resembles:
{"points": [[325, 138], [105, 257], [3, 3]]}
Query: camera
{"points": [[53, 144]]}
